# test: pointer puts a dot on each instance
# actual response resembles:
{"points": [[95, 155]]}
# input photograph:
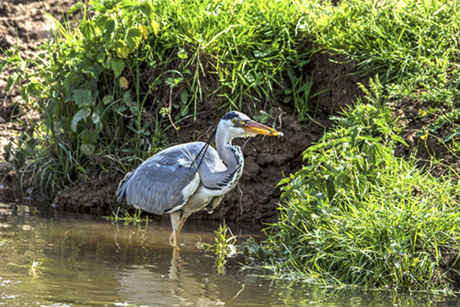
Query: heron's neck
{"points": [[232, 157]]}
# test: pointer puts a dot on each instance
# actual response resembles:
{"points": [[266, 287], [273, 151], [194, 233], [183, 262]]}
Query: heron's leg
{"points": [[175, 217], [182, 222]]}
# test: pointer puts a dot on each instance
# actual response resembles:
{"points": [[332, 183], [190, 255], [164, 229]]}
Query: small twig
{"points": [[204, 133], [237, 294], [170, 108], [241, 199], [319, 124], [242, 147], [281, 113]]}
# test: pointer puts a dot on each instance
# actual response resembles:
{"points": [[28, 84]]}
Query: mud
{"points": [[24, 25], [433, 147]]}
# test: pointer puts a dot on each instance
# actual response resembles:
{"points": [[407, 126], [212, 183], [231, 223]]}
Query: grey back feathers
{"points": [[165, 181]]}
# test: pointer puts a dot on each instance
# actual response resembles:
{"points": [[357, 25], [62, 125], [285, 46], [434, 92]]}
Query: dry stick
{"points": [[242, 147], [319, 124], [203, 133], [170, 107], [237, 294], [241, 198]]}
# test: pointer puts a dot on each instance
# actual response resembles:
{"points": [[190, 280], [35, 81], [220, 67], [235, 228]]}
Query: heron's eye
{"points": [[234, 121]]}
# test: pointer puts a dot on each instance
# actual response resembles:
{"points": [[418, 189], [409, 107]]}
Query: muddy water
{"points": [[57, 260]]}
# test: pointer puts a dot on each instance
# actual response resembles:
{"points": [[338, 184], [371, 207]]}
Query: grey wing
{"points": [[163, 183]]}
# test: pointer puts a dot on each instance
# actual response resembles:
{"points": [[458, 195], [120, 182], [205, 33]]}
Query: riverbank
{"points": [[115, 88]]}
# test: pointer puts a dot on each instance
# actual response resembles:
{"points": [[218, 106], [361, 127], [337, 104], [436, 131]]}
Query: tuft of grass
{"points": [[357, 215], [127, 218]]}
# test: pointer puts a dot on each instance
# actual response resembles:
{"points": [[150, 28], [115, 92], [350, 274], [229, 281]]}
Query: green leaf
{"points": [[133, 38], [107, 99], [147, 9], [127, 97], [89, 136], [399, 139], [109, 28], [82, 114], [12, 79], [182, 54], [83, 98], [253, 247], [87, 149], [97, 117], [117, 66], [454, 133], [129, 3], [156, 27], [74, 8], [184, 96], [86, 28]]}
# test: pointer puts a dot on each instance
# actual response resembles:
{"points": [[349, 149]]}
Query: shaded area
{"points": [[447, 153]]}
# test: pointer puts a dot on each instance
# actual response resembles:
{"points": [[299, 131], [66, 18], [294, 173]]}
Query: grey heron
{"points": [[187, 178]]}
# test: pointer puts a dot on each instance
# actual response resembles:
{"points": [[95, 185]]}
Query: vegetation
{"points": [[358, 215], [412, 45], [128, 218], [108, 89], [355, 214]]}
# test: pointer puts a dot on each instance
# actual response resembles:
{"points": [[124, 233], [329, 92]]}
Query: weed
{"points": [[225, 247], [128, 218]]}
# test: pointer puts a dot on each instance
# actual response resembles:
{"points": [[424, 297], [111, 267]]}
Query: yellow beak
{"points": [[254, 127]]}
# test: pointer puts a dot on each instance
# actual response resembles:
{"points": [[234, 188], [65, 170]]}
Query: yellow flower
{"points": [[425, 136], [123, 52], [422, 113], [123, 83], [144, 31]]}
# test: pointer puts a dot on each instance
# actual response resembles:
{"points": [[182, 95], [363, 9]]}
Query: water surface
{"points": [[57, 259]]}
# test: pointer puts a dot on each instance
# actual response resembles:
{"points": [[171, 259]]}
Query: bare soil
{"points": [[433, 147], [24, 22]]}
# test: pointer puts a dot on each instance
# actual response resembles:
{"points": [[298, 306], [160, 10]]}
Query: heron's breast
{"points": [[199, 200]]}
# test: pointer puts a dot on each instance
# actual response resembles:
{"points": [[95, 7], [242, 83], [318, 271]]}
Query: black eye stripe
{"points": [[230, 115]]}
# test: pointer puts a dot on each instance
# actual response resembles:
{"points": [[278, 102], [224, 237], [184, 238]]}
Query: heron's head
{"points": [[237, 124]]}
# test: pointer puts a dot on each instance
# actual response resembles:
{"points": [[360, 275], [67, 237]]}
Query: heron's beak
{"points": [[256, 128]]}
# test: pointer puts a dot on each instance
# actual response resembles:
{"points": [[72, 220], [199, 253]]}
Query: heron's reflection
{"points": [[176, 264], [147, 284]]}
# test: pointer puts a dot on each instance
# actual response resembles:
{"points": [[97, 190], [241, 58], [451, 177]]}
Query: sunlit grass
{"points": [[357, 215], [127, 218]]}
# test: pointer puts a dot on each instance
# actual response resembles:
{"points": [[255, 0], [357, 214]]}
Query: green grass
{"points": [[127, 218], [412, 45], [357, 215]]}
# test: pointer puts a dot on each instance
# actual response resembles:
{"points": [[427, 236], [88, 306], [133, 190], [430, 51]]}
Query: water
{"points": [[56, 259]]}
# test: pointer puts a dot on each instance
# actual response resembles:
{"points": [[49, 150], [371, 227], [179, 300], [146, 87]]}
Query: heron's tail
{"points": [[121, 192]]}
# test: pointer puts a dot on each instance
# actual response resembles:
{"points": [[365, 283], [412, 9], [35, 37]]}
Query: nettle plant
{"points": [[87, 88], [93, 71]]}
